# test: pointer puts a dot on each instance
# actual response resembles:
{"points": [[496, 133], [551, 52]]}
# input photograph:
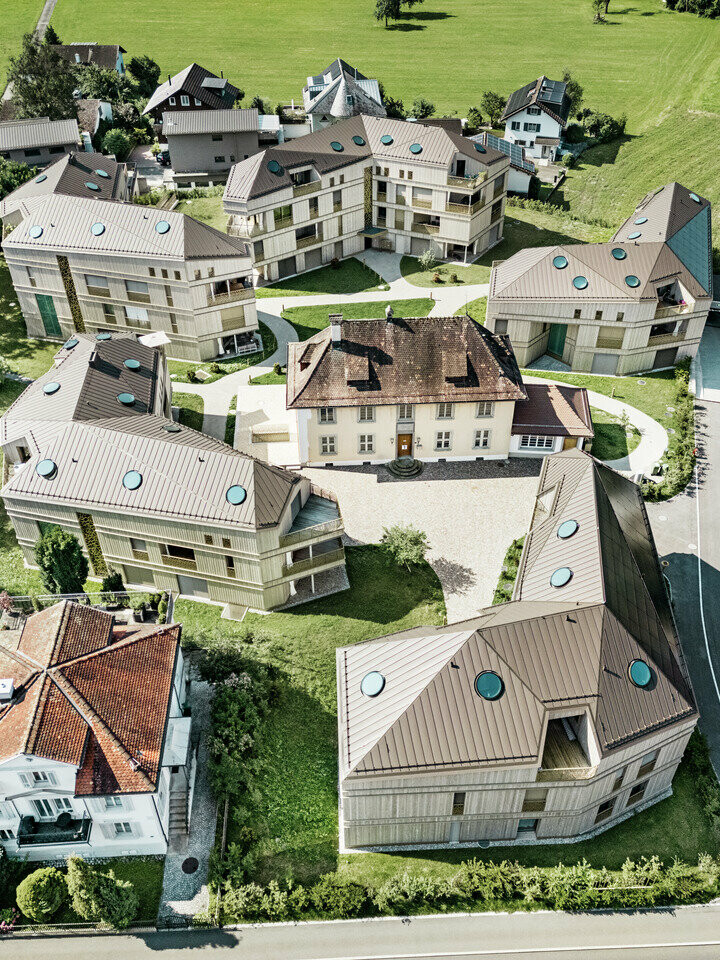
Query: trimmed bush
{"points": [[41, 894], [339, 897]]}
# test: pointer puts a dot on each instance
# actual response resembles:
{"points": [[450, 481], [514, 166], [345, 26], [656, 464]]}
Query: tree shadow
{"points": [[409, 21], [454, 577]]}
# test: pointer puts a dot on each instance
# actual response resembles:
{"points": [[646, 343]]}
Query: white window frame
{"points": [[172, 101], [407, 407], [366, 414], [443, 440], [366, 443], [184, 100], [123, 828], [485, 409], [63, 805], [327, 415], [514, 124], [113, 803], [533, 441], [136, 313], [482, 440], [97, 281], [198, 103], [137, 286], [328, 445], [43, 808], [445, 410]]}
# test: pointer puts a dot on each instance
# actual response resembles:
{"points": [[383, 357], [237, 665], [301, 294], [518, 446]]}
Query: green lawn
{"points": [[268, 379], [230, 422], [180, 367], [477, 309], [611, 440], [308, 320], [206, 209], [29, 358], [191, 409], [350, 276], [18, 17]]}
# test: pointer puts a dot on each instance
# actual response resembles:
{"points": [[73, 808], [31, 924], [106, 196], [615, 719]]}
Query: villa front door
{"points": [[556, 340], [404, 445]]}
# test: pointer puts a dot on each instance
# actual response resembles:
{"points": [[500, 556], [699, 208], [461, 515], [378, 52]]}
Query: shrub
{"points": [[401, 893], [162, 611], [191, 373], [100, 897], [215, 368], [63, 566], [437, 278], [427, 260], [117, 141], [113, 583], [42, 893], [454, 278], [406, 544], [277, 369], [341, 898]]}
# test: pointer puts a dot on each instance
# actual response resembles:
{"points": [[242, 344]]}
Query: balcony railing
{"points": [[244, 228], [309, 241], [76, 831], [673, 310], [609, 343], [301, 189], [182, 563], [337, 207], [241, 293], [466, 182], [425, 228], [98, 291], [422, 204], [141, 555], [281, 222], [310, 533], [663, 338], [313, 563], [400, 200], [464, 208], [138, 297], [564, 774]]}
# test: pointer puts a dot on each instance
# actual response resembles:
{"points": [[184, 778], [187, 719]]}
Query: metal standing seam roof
{"points": [[333, 99], [666, 210], [553, 410], [186, 122], [191, 81], [39, 132]]}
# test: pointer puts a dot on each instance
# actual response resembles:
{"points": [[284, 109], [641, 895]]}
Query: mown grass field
{"points": [[309, 320], [16, 18]]}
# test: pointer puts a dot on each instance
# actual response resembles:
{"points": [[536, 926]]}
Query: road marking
{"points": [[700, 586], [527, 951]]}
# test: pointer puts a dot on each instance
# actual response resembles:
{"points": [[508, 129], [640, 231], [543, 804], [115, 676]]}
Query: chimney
{"points": [[336, 328], [77, 58], [7, 689]]}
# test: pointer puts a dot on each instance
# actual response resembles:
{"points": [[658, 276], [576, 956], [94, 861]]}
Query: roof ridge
{"points": [[118, 645]]}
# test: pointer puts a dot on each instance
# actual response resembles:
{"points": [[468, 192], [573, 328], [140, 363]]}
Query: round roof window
{"points": [[47, 469], [386, 139], [132, 480], [561, 577], [41, 179], [274, 167], [236, 494], [632, 281], [580, 283], [171, 427], [480, 148], [35, 231], [415, 148], [103, 174], [162, 226], [127, 399], [97, 229], [640, 673], [619, 253], [372, 684], [695, 198], [567, 528], [634, 235], [359, 141], [489, 685], [337, 146], [640, 220], [560, 262], [103, 336], [51, 387], [92, 186], [72, 342], [132, 364]]}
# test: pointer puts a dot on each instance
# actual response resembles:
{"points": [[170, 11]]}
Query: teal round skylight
{"points": [[695, 198], [415, 148], [640, 220], [480, 148], [92, 186], [132, 480], [47, 469], [41, 179], [359, 141], [337, 146], [619, 253], [35, 231], [171, 427], [127, 399], [567, 529], [103, 173], [561, 577], [72, 342], [51, 387], [580, 283], [274, 167], [236, 494], [132, 364], [489, 685], [632, 281], [640, 673], [386, 139], [372, 684], [103, 336], [97, 229], [634, 235], [162, 226], [560, 263]]}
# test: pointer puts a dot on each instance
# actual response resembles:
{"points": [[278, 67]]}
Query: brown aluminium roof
{"points": [[420, 359], [553, 410]]}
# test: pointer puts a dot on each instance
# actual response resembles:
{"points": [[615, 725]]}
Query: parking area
{"points": [[470, 512]]}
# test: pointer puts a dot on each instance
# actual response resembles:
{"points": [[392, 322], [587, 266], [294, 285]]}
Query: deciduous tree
{"points": [[406, 544], [117, 141], [146, 74], [43, 83], [493, 105], [13, 175], [422, 108], [574, 92]]}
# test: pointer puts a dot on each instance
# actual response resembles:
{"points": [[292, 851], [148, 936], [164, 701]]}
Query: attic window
{"points": [[480, 148], [560, 262], [694, 197], [171, 427], [640, 220], [359, 141], [92, 186], [619, 253], [132, 364], [51, 387], [236, 495], [632, 281], [97, 229], [337, 146], [103, 336], [35, 232], [274, 167], [489, 685], [561, 577], [162, 226], [127, 399], [415, 148], [103, 174], [640, 673], [372, 684], [580, 283], [132, 480], [634, 235], [72, 342], [47, 469], [386, 139], [41, 178], [567, 529]]}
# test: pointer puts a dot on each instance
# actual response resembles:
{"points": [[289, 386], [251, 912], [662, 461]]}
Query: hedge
{"points": [[679, 460], [508, 574]]}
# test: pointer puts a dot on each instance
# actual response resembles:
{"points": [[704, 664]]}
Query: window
{"points": [[113, 802], [514, 124], [173, 323], [7, 835], [180, 553], [226, 542], [341, 178], [326, 415], [442, 440], [534, 800], [63, 805], [577, 314], [533, 111], [219, 159], [527, 825], [44, 809], [531, 127], [216, 137], [176, 274], [327, 445], [458, 804], [137, 317], [486, 408], [184, 100], [381, 189], [620, 316], [482, 439], [97, 286], [619, 777], [31, 277], [366, 443], [530, 442], [230, 566], [647, 764], [402, 174], [282, 215], [151, 271], [337, 200], [39, 776], [501, 327], [123, 828], [332, 181], [168, 295], [109, 313], [598, 314], [410, 175], [31, 153], [137, 290], [164, 273], [405, 411], [662, 329], [637, 793], [444, 411], [208, 539], [381, 216], [198, 103], [604, 810], [366, 414], [172, 101], [198, 275], [139, 549]]}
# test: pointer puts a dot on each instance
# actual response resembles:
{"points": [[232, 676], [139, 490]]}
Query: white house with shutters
{"points": [[535, 117]]}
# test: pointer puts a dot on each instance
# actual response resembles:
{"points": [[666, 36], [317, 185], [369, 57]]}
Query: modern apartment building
{"points": [[95, 755], [81, 264], [367, 182], [338, 92], [38, 142], [90, 447], [638, 302], [431, 388], [204, 144], [551, 717], [535, 118]]}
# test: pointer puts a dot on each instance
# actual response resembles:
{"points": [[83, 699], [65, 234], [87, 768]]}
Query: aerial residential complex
{"points": [[637, 302], [371, 391], [90, 448], [95, 752], [367, 182], [340, 91], [38, 142], [553, 716], [535, 118], [82, 264]]}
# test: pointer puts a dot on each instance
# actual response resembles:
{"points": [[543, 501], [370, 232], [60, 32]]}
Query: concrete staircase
{"points": [[178, 822], [405, 467]]}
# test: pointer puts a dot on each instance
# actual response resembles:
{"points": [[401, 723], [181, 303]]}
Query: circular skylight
{"points": [[51, 387], [634, 235], [171, 427], [103, 174], [386, 139], [695, 198], [47, 469], [580, 283], [97, 229], [274, 167], [337, 146], [132, 480], [632, 281], [480, 148], [103, 336], [132, 364], [35, 231], [162, 226], [640, 220], [372, 684], [619, 253], [41, 178], [92, 186], [359, 141], [560, 263], [489, 685], [561, 577], [127, 399], [72, 342], [640, 673], [415, 148], [567, 528], [236, 494]]}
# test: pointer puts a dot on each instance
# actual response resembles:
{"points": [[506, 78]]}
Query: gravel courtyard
{"points": [[470, 511]]}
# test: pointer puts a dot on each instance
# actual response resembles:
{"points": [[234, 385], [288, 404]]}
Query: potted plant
{"points": [[137, 605]]}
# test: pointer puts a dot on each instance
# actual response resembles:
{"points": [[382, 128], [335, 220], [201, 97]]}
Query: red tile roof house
{"points": [[93, 741]]}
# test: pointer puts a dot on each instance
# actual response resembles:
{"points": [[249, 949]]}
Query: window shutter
{"points": [[25, 779], [108, 830], [136, 830], [51, 777], [127, 804]]}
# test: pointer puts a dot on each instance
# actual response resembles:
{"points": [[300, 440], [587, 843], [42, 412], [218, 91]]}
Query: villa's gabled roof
{"points": [[38, 132], [548, 95], [553, 410], [187, 122], [215, 93], [516, 153], [333, 71], [90, 694], [103, 55]]}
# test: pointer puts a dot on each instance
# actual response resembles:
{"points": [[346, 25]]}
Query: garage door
{"points": [[192, 586], [605, 363], [286, 267], [419, 246], [138, 576], [313, 259], [666, 358]]}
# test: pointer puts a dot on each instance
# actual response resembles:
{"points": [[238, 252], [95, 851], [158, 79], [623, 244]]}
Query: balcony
{"points": [[664, 338], [319, 516], [63, 830], [422, 204], [138, 297], [245, 228], [431, 228], [301, 567], [563, 759], [467, 183], [280, 223], [235, 292], [98, 291], [671, 310], [609, 343], [302, 189], [142, 555], [311, 240], [180, 563], [467, 210], [337, 207]]}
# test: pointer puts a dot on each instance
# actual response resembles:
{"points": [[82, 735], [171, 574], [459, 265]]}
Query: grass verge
{"points": [[477, 309], [350, 276], [269, 379], [309, 320], [27, 357], [230, 422], [191, 409], [612, 439]]}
